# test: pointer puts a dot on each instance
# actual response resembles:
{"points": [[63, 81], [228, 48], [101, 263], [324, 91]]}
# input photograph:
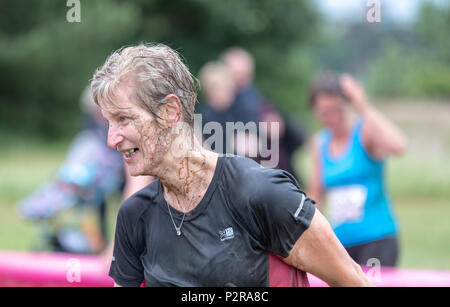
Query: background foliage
{"points": [[46, 61]]}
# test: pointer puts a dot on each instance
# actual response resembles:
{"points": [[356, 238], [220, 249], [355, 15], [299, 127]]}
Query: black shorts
{"points": [[386, 250]]}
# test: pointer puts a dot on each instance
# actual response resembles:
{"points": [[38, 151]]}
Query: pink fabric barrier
{"points": [[69, 270], [53, 269], [393, 277]]}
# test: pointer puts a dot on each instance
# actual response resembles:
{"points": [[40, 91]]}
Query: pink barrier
{"points": [[393, 277], [69, 270], [53, 269]]}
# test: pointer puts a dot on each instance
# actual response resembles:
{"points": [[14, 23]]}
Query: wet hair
{"points": [[156, 70], [326, 83]]}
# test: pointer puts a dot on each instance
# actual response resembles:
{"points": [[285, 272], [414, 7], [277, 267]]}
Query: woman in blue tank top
{"points": [[349, 169]]}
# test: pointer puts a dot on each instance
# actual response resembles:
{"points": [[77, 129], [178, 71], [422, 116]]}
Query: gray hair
{"points": [[156, 71]]}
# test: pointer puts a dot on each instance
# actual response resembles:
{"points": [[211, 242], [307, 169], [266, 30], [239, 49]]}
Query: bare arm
{"points": [[319, 252], [382, 138]]}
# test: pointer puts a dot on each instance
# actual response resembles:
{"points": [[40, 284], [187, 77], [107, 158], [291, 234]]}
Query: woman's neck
{"points": [[340, 139], [343, 131], [186, 176]]}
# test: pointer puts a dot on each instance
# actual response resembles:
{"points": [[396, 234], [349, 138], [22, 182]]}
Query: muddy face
{"points": [[135, 132], [154, 143]]}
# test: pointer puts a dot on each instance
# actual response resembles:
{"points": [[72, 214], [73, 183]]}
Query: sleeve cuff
{"points": [[125, 283]]}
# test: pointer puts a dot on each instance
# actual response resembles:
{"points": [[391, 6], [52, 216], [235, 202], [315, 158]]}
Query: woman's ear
{"points": [[171, 111]]}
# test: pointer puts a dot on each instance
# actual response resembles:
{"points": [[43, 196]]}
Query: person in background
{"points": [[291, 137], [249, 100], [349, 167], [241, 65], [218, 106]]}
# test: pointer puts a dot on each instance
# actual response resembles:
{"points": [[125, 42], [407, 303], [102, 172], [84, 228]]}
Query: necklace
{"points": [[177, 228]]}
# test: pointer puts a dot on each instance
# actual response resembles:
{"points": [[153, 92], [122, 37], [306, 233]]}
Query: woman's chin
{"points": [[135, 172]]}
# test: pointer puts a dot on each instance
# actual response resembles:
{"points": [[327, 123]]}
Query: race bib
{"points": [[346, 204]]}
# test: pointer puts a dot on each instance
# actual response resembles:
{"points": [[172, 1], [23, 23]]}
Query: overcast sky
{"points": [[402, 11]]}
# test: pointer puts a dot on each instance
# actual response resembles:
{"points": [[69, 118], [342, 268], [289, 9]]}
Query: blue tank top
{"points": [[359, 207]]}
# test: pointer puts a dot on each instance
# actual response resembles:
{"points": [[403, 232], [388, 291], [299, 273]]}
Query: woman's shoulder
{"points": [[246, 178], [241, 169], [263, 197], [240, 163], [247, 169]]}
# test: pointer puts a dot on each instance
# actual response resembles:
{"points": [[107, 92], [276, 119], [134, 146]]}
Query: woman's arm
{"points": [[381, 137], [319, 252]]}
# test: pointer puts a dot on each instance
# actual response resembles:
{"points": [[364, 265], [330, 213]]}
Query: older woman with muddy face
{"points": [[207, 220]]}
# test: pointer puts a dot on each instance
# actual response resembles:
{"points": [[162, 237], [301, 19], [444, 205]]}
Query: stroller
{"points": [[71, 209]]}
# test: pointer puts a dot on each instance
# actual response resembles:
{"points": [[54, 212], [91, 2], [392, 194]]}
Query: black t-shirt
{"points": [[246, 213]]}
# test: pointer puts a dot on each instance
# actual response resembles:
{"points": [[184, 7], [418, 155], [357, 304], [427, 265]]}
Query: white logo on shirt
{"points": [[226, 234]]}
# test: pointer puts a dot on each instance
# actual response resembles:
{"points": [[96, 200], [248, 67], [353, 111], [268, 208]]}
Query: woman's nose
{"points": [[115, 137]]}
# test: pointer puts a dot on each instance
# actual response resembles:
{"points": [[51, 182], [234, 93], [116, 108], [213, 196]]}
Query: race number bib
{"points": [[346, 204]]}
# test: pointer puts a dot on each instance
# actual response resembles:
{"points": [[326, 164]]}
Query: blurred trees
{"points": [[421, 69], [393, 60], [46, 61]]}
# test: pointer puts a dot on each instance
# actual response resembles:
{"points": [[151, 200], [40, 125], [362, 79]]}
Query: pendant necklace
{"points": [[177, 228]]}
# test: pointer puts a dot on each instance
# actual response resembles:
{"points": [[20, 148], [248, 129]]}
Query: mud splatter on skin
{"points": [[173, 155], [187, 179], [154, 143]]}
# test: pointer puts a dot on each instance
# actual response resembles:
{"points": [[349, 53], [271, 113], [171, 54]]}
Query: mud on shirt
{"points": [[247, 215]]}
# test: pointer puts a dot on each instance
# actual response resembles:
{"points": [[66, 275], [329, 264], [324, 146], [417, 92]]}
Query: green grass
{"points": [[14, 233], [25, 165], [420, 176], [425, 233]]}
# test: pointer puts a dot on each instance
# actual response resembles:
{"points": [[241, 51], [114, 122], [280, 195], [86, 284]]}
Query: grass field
{"points": [[419, 183]]}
